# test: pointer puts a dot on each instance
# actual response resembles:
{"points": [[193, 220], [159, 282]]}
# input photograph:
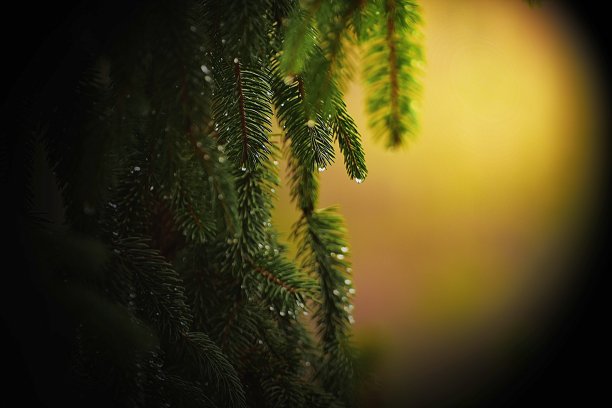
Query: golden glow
{"points": [[460, 237]]}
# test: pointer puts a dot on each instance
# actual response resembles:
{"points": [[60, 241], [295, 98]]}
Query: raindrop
{"points": [[340, 256], [193, 29], [358, 180], [322, 169], [351, 319], [305, 313], [271, 308], [151, 188], [221, 159], [220, 196], [235, 60], [282, 313], [275, 162], [352, 291], [347, 282], [260, 341], [136, 168], [199, 144], [336, 292], [132, 295], [307, 363], [273, 190], [208, 78], [310, 123], [243, 168], [344, 249]]}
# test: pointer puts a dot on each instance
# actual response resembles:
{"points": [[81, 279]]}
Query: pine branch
{"points": [[208, 362], [393, 55], [242, 36], [243, 113], [345, 131], [299, 39], [322, 250]]}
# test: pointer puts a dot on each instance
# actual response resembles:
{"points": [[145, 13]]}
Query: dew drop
{"points": [[347, 282], [336, 292], [322, 169], [340, 256], [282, 313], [243, 168], [310, 123], [205, 69], [358, 180], [235, 60], [344, 249], [352, 291], [275, 162], [136, 168]]}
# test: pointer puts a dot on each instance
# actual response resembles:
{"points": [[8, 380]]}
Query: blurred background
{"points": [[465, 245], [479, 250]]}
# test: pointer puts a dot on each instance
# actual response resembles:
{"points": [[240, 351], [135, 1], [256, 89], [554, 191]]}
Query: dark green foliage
{"points": [[176, 286]]}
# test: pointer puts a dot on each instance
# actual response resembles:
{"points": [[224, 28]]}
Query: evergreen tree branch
{"points": [[393, 55]]}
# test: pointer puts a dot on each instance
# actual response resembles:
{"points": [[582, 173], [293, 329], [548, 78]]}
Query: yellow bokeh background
{"points": [[460, 239]]}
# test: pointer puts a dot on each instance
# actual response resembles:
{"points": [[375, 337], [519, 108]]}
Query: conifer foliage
{"points": [[179, 290]]}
